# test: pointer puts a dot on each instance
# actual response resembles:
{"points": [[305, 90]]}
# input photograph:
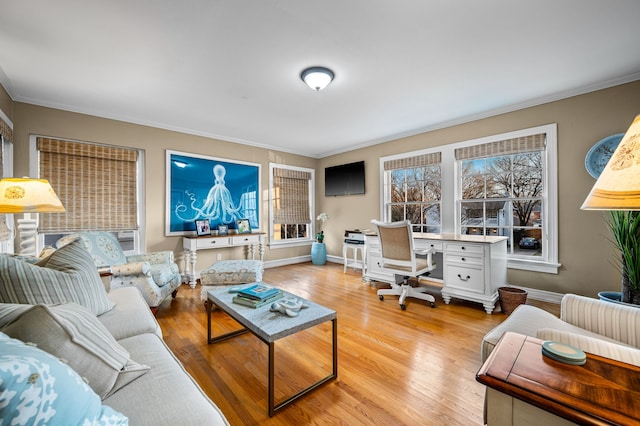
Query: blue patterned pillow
{"points": [[37, 388], [103, 246]]}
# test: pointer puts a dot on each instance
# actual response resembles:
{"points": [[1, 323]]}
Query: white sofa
{"points": [[603, 328], [110, 342]]}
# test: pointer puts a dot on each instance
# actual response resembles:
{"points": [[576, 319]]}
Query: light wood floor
{"points": [[413, 367]]}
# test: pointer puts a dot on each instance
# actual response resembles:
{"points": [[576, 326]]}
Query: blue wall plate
{"points": [[599, 154]]}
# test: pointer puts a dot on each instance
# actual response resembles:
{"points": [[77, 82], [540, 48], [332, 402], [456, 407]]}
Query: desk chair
{"points": [[399, 257]]}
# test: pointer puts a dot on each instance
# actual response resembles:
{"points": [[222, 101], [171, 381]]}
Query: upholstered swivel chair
{"points": [[400, 257]]}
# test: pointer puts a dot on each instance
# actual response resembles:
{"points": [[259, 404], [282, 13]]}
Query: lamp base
{"points": [[27, 228]]}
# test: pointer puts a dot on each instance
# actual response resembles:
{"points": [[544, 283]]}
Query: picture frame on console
{"points": [[243, 226], [223, 229], [203, 227], [200, 187]]}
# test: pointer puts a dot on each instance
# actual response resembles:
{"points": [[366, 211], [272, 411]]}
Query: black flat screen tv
{"points": [[345, 179]]}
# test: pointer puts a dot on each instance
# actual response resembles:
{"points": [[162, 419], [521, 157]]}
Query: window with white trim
{"points": [[290, 204], [99, 185], [503, 185], [413, 191]]}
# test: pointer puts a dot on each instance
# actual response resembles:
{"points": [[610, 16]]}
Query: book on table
{"points": [[258, 292], [253, 303]]}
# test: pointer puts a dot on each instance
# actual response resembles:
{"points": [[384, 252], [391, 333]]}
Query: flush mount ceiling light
{"points": [[317, 77]]}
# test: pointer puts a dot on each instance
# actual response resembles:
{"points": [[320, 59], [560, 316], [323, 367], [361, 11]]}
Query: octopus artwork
{"points": [[218, 206]]}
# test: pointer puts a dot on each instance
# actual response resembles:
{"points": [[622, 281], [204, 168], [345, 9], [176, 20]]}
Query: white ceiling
{"points": [[230, 69]]}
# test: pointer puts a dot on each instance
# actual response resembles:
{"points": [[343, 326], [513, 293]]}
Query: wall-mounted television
{"points": [[345, 179]]}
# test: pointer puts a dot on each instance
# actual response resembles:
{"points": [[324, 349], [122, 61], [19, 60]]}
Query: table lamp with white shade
{"points": [[26, 195]]}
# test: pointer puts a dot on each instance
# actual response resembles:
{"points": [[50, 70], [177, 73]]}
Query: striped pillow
{"points": [[70, 332], [67, 275]]}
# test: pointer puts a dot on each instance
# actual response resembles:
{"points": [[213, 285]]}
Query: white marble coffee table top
{"points": [[269, 326]]}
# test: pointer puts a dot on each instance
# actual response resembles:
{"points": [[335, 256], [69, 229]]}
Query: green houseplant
{"points": [[625, 227]]}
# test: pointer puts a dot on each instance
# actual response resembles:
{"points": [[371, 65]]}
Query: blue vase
{"points": [[318, 254]]}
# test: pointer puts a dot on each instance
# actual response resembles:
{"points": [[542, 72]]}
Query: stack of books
{"points": [[257, 295]]}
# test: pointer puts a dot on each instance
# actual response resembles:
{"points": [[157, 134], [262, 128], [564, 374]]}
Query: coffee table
{"points": [[270, 326]]}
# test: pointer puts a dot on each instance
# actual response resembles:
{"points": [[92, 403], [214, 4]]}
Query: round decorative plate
{"points": [[599, 154], [563, 352]]}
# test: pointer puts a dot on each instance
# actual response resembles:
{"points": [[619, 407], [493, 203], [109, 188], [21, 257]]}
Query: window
{"points": [[99, 186], [412, 191], [501, 185], [6, 170], [290, 204]]}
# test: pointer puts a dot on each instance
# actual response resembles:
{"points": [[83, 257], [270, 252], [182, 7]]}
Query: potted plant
{"points": [[625, 227], [318, 248]]}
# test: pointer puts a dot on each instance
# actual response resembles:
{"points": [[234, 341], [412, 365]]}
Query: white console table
{"points": [[192, 244], [474, 266]]}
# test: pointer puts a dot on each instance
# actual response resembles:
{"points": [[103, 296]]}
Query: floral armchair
{"points": [[155, 274]]}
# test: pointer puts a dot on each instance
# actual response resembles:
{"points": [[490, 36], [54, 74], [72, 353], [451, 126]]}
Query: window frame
{"points": [[450, 212], [310, 238], [139, 240]]}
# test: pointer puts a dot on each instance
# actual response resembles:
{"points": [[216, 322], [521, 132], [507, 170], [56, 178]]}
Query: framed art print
{"points": [[201, 187], [243, 226], [203, 227]]}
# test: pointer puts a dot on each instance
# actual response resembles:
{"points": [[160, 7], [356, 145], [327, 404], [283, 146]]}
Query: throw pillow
{"points": [[67, 275], [37, 388], [103, 247], [71, 332]]}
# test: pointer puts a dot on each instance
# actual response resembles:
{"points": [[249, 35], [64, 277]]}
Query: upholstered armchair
{"points": [[155, 274]]}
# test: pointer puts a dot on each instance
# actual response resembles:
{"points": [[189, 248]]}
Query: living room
{"points": [[582, 263]]}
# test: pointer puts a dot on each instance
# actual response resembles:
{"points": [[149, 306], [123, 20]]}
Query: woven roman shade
{"points": [[521, 145], [290, 196], [97, 184], [416, 161], [6, 131]]}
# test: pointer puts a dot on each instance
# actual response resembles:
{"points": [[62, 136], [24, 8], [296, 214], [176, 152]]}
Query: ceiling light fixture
{"points": [[317, 77]]}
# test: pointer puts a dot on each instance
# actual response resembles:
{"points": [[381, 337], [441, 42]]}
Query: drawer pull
{"points": [[464, 279], [462, 247], [464, 260]]}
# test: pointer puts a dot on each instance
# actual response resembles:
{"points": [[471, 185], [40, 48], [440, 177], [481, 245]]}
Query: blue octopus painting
{"points": [[208, 188]]}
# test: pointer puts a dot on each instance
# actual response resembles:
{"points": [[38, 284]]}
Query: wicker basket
{"points": [[511, 298]]}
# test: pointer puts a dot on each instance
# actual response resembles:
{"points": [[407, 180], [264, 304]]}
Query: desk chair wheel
{"points": [[433, 305], [381, 297], [403, 307]]}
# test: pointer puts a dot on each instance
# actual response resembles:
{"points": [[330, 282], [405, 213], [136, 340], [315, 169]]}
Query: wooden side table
{"points": [[602, 391]]}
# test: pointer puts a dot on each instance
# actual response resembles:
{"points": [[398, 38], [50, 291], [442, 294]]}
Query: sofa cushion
{"points": [[67, 275], [130, 316], [151, 400], [598, 346], [36, 389], [103, 247], [69, 331]]}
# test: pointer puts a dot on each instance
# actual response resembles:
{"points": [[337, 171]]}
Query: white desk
{"points": [[473, 266], [192, 244]]}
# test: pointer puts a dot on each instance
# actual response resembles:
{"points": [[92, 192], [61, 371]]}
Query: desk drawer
{"points": [[205, 243], [464, 247], [421, 244], [462, 259], [238, 240], [467, 278]]}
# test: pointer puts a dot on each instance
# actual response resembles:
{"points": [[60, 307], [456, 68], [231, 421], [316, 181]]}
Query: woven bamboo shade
{"points": [[521, 145], [96, 183], [291, 196], [6, 131], [416, 161]]}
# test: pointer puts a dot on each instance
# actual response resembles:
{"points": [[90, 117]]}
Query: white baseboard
{"points": [[541, 295]]}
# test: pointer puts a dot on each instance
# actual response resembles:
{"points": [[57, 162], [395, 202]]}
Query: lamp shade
{"points": [[317, 77], [25, 195], [618, 187]]}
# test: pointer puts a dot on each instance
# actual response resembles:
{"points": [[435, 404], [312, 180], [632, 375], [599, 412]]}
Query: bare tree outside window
{"points": [[415, 195], [503, 196]]}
